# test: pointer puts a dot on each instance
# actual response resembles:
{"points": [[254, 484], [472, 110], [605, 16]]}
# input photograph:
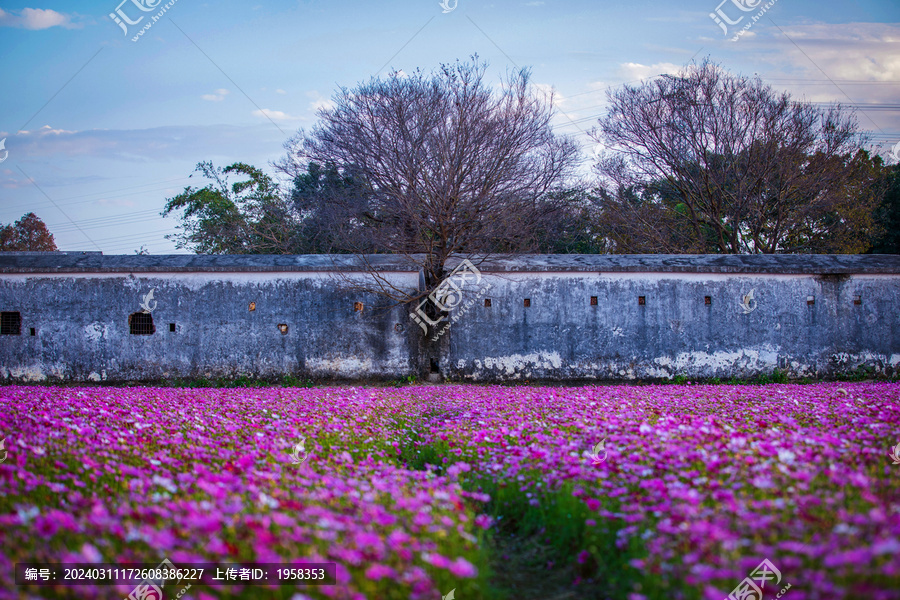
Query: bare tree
{"points": [[710, 161], [445, 165]]}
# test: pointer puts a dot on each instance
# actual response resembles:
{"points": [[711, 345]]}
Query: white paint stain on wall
{"points": [[746, 358], [351, 366], [35, 372], [96, 331], [515, 363]]}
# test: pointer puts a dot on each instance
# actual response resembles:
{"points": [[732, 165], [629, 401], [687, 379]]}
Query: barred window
{"points": [[141, 323], [10, 323]]}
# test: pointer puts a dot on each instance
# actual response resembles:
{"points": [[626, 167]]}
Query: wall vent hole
{"points": [[283, 328], [707, 300], [172, 327], [487, 302], [358, 306], [857, 300], [642, 301], [527, 302], [593, 300], [33, 331]]}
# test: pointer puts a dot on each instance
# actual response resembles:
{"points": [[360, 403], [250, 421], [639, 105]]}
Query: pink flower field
{"points": [[416, 491]]}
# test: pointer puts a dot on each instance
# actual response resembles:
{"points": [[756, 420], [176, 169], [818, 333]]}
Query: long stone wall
{"points": [[87, 317]]}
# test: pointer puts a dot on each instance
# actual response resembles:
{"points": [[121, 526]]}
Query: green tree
{"points": [[887, 215], [333, 209], [27, 234], [245, 217]]}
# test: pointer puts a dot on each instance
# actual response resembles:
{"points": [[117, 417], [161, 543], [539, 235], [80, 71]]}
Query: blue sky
{"points": [[100, 129]]}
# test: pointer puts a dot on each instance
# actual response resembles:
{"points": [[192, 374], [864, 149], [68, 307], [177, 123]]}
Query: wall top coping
{"points": [[95, 262]]}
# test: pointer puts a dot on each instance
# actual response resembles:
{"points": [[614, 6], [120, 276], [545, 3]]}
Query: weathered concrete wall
{"points": [[563, 336], [82, 329], [78, 305]]}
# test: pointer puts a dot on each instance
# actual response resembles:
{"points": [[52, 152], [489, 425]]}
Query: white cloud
{"points": [[632, 72], [275, 115], [280, 91], [143, 145], [36, 18], [318, 101], [216, 96], [856, 51]]}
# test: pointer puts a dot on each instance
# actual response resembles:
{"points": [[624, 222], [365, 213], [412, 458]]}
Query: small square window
{"points": [[707, 300], [141, 323], [252, 306], [641, 301], [527, 302], [593, 300], [172, 327], [857, 300], [33, 332], [487, 302], [283, 328], [810, 300], [10, 323], [358, 306]]}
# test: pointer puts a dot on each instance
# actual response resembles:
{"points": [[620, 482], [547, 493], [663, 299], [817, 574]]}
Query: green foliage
{"points": [[777, 376], [888, 215], [860, 373], [292, 381], [246, 217], [536, 527]]}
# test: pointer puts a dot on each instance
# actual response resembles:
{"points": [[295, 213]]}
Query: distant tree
{"points": [[648, 219], [887, 215], [744, 168], [571, 226], [245, 217], [27, 234], [333, 211]]}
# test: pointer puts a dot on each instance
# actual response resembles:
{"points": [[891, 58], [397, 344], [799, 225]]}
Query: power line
{"points": [[57, 207], [124, 219], [98, 199]]}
